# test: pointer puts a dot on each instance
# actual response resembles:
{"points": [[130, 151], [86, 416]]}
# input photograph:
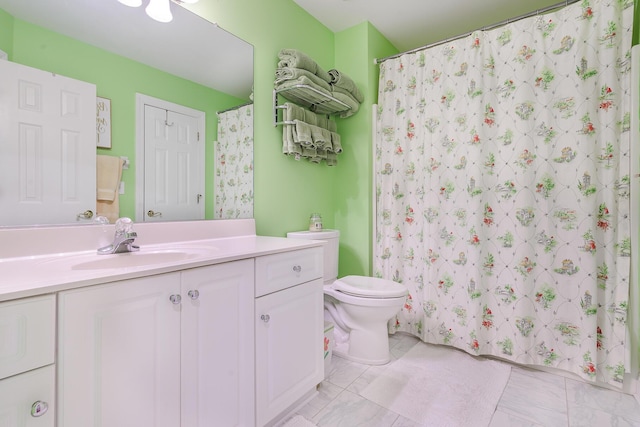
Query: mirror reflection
{"points": [[187, 65]]}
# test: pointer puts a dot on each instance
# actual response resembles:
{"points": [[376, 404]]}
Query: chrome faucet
{"points": [[123, 239]]}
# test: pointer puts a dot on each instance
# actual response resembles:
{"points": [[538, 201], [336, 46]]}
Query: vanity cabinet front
{"points": [[289, 330], [171, 350], [27, 373]]}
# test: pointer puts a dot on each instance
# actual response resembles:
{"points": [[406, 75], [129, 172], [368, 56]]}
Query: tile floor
{"points": [[531, 398]]}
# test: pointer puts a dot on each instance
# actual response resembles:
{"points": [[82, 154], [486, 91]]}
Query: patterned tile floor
{"points": [[531, 398]]}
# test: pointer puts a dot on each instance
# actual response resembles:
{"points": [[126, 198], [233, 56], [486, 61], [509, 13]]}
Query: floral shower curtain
{"points": [[502, 189], [233, 183]]}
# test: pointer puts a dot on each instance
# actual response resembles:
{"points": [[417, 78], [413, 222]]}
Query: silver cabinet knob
{"points": [[39, 408], [175, 299], [297, 268], [265, 318], [193, 294]]}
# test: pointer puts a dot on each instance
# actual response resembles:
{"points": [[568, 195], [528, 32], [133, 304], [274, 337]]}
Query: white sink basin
{"points": [[148, 257], [135, 259]]}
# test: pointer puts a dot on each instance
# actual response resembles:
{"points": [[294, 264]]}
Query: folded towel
{"points": [[336, 143], [345, 82], [293, 112], [310, 136], [350, 101], [331, 160], [321, 137], [332, 126], [108, 175], [311, 153], [288, 73], [289, 147], [295, 59], [302, 134]]}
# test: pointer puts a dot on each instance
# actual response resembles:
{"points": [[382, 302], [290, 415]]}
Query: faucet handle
{"points": [[124, 225]]}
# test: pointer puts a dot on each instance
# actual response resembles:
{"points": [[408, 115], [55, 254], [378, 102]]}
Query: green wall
{"points": [[118, 79], [6, 32], [288, 191], [356, 49]]}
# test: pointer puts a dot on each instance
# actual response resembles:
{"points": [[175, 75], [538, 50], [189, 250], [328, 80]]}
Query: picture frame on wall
{"points": [[103, 122]]}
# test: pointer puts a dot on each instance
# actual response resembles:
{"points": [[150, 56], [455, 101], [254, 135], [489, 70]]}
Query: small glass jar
{"points": [[315, 222]]}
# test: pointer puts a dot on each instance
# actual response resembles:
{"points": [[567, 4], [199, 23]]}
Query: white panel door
{"points": [[174, 166], [217, 346], [289, 347], [47, 146], [119, 354]]}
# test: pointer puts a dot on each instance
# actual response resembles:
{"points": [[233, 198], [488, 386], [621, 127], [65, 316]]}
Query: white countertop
{"points": [[47, 271]]}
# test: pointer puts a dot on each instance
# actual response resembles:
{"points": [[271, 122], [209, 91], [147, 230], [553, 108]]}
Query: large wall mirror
{"points": [[128, 56]]}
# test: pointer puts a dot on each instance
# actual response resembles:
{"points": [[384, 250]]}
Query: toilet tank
{"points": [[332, 240]]}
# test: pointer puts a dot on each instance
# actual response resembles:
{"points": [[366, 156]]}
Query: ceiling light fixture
{"points": [[131, 3], [160, 10]]}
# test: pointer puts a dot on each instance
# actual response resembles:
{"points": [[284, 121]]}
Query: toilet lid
{"points": [[369, 287]]}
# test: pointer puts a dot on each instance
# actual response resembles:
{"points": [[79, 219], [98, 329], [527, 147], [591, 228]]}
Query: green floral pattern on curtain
{"points": [[233, 190], [502, 189]]}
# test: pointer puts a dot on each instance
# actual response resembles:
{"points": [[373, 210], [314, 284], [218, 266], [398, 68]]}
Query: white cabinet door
{"points": [[289, 347], [217, 345], [27, 334], [21, 393], [119, 354]]}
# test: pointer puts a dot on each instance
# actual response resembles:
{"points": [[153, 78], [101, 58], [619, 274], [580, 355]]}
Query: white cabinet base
{"points": [[289, 348], [217, 346], [119, 354]]}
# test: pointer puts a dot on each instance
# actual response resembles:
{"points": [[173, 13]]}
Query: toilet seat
{"points": [[369, 287]]}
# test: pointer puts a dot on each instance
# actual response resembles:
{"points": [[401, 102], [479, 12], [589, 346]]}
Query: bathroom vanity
{"points": [[208, 324]]}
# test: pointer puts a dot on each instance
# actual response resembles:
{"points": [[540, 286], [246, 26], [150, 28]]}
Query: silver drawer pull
{"points": [[265, 318], [193, 294], [39, 408], [297, 268], [175, 299]]}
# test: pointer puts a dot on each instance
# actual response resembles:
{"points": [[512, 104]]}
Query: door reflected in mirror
{"points": [[123, 52]]}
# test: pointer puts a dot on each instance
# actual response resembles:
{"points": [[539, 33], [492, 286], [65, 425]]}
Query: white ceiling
{"points": [[410, 24]]}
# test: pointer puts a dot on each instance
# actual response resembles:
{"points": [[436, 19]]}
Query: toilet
{"points": [[358, 306]]}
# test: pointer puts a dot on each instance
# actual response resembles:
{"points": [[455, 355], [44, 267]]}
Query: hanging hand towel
{"points": [[108, 175], [109, 172], [302, 134]]}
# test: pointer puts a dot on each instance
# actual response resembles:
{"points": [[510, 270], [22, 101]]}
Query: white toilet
{"points": [[359, 306]]}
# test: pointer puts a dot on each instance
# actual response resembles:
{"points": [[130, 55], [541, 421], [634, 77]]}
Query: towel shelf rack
{"points": [[309, 97]]}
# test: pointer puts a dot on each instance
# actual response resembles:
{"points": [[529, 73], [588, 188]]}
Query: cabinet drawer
{"points": [[27, 400], [281, 271], [27, 333]]}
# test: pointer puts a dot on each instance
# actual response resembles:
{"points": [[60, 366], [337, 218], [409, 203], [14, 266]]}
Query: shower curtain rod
{"points": [[235, 108], [488, 27]]}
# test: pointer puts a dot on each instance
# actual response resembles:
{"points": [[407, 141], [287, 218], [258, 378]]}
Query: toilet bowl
{"points": [[359, 307]]}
